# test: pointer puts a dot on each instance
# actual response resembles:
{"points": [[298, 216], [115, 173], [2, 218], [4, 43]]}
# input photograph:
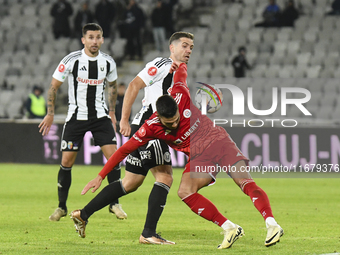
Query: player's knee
{"points": [[67, 163], [164, 178], [131, 185], [183, 192]]}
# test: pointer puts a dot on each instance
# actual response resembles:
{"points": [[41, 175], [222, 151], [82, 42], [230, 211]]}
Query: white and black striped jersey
{"points": [[86, 83], [158, 80]]}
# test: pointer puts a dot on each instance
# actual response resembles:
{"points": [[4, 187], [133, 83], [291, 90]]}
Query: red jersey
{"points": [[194, 134]]}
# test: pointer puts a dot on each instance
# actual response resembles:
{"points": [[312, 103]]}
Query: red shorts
{"points": [[218, 157]]}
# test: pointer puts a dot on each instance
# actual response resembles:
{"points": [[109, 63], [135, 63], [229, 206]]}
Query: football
{"points": [[213, 95]]}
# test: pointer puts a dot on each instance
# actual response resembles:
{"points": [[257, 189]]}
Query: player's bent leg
{"points": [[131, 181], [113, 176], [114, 206], [206, 209], [191, 185], [156, 204], [108, 194], [261, 202], [64, 184]]}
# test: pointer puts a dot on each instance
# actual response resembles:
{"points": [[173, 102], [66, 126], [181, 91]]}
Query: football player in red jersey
{"points": [[182, 126]]}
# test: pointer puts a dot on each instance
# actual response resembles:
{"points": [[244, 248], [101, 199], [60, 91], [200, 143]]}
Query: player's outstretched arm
{"points": [[129, 98], [181, 74], [46, 123], [94, 184]]}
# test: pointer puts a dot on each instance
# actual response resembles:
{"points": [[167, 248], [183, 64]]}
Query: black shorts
{"points": [[74, 131], [154, 153]]}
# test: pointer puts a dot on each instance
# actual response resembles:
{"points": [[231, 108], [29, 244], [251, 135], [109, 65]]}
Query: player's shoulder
{"points": [[152, 121], [107, 57], [160, 62], [71, 57]]}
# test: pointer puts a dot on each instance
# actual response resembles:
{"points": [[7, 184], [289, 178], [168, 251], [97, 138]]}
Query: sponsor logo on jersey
{"points": [[152, 71], [137, 138], [63, 144], [83, 68], [178, 141], [145, 155], [142, 132], [61, 68], [187, 113], [70, 145], [75, 146], [90, 81], [238, 154], [133, 161], [191, 130], [167, 156]]}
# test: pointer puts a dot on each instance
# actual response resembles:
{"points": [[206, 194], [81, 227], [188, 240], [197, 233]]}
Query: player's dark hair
{"points": [[177, 35], [166, 106], [91, 27]]}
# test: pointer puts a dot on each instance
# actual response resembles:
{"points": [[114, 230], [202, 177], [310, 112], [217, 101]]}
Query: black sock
{"points": [[108, 194], [157, 201], [113, 176], [64, 184]]}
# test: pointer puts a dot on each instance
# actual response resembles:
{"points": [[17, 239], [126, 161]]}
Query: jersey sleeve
{"points": [[180, 83], [112, 75], [63, 69], [141, 137], [155, 70]]}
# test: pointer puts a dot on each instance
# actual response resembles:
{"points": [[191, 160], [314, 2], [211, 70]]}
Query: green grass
{"points": [[307, 209]]}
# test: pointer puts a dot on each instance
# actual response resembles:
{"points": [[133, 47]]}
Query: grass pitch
{"points": [[307, 209]]}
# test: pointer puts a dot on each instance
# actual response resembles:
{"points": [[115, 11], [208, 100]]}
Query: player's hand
{"points": [[95, 184], [46, 124], [125, 128], [173, 67], [113, 119]]}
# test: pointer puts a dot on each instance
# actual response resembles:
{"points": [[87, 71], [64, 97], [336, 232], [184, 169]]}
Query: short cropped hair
{"points": [[177, 35], [166, 106], [91, 27]]}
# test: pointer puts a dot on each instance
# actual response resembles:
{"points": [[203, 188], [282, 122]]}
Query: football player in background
{"points": [[88, 71]]}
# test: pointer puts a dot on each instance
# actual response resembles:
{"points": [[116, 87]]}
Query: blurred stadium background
{"points": [[304, 56]]}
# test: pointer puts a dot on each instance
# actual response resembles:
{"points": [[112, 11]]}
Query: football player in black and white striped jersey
{"points": [[156, 79], [89, 71]]}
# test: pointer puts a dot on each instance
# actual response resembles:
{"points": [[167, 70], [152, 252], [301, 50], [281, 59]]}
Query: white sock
{"points": [[228, 225], [270, 221]]}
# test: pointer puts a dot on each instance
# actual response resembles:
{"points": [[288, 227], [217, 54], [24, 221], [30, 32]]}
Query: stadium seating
{"points": [[305, 54]]}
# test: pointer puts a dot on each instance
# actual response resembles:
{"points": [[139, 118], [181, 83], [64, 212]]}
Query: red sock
{"points": [[258, 196], [204, 208]]}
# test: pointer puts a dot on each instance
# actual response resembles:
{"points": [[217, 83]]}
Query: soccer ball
{"points": [[214, 97]]}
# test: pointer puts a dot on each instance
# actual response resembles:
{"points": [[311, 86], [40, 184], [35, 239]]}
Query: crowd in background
{"points": [[126, 16]]}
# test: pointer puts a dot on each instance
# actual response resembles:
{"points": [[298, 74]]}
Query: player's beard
{"points": [[94, 50]]}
